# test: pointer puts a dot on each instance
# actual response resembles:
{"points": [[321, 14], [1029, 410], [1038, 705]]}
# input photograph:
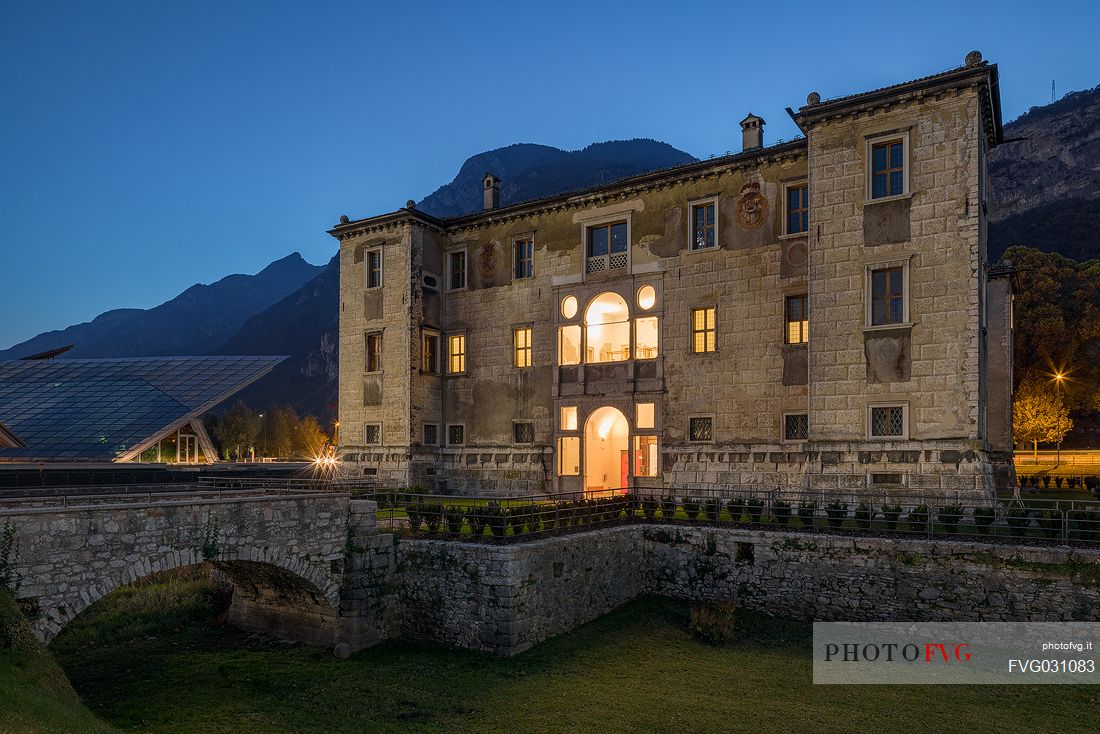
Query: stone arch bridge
{"points": [[305, 565]]}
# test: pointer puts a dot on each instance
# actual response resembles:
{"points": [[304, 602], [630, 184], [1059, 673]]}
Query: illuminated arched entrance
{"points": [[606, 450]]}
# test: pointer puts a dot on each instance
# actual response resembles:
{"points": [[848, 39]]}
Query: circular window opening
{"points": [[646, 297], [569, 307]]}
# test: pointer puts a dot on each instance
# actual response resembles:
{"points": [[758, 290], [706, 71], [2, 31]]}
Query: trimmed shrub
{"points": [[692, 507], [712, 621], [864, 513], [918, 518], [836, 512], [782, 511], [806, 512], [712, 508], [433, 516], [649, 506], [1046, 481], [891, 513], [983, 518], [950, 515], [416, 519], [1050, 523], [477, 519], [1058, 482], [454, 517], [754, 506], [1018, 519], [668, 507], [736, 507], [497, 519]]}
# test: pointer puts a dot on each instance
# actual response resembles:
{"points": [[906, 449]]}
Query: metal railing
{"points": [[1010, 520]]}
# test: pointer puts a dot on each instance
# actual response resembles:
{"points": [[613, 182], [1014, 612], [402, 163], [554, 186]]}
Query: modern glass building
{"points": [[145, 409]]}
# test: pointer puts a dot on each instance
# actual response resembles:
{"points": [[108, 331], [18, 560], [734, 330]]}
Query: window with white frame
{"points": [[372, 434], [887, 294], [456, 270], [888, 166], [888, 420], [523, 258], [373, 261], [607, 247], [704, 225], [569, 456], [567, 420], [456, 434], [797, 208], [796, 426], [523, 432], [645, 456], [431, 434]]}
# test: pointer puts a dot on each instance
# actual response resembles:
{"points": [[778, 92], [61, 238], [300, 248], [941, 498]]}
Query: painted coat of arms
{"points": [[489, 259], [752, 208]]}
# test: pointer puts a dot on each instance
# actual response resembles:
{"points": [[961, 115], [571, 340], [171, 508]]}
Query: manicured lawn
{"points": [[637, 669]]}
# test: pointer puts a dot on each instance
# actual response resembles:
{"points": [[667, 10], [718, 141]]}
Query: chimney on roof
{"points": [[492, 191], [752, 132]]}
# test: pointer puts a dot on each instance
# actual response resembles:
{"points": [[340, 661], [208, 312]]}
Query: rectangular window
{"points": [[797, 318], [523, 432], [374, 352], [796, 427], [430, 353], [887, 169], [456, 354], [643, 415], [569, 344], [702, 330], [521, 347], [569, 456], [607, 247], [645, 337], [374, 268], [645, 456], [523, 258], [888, 296], [431, 434], [568, 418], [703, 227], [456, 434], [887, 421], [700, 429], [456, 270], [372, 434], [798, 208]]}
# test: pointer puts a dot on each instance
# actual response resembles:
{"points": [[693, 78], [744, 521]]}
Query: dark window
{"points": [[796, 427], [458, 269], [798, 324], [798, 209], [431, 354], [699, 429], [607, 246], [887, 169], [374, 268], [456, 435], [887, 296], [891, 479], [702, 226], [523, 258], [431, 434], [523, 432], [374, 352], [887, 420], [372, 434]]}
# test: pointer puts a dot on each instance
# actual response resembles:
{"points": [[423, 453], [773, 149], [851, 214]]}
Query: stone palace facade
{"points": [[816, 314]]}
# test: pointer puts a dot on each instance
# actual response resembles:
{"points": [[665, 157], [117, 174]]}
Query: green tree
{"points": [[1039, 413], [282, 424], [311, 438], [236, 429]]}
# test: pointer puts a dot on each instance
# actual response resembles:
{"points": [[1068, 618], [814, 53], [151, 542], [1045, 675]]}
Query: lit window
{"points": [[647, 296], [431, 434], [523, 432], [607, 247], [372, 434], [796, 427], [569, 307], [430, 353], [798, 208], [456, 354], [645, 337], [645, 456], [887, 296], [644, 413], [521, 346], [798, 325], [456, 434], [568, 418], [523, 258], [569, 345], [374, 352], [887, 169], [700, 429], [887, 421], [456, 266], [607, 329], [702, 330], [702, 226], [374, 268], [569, 456]]}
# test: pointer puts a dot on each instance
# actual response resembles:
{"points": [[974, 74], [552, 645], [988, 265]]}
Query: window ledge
{"points": [[795, 235], [697, 250], [908, 325], [373, 372], [884, 199]]}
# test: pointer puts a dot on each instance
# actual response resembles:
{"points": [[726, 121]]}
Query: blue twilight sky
{"points": [[146, 146]]}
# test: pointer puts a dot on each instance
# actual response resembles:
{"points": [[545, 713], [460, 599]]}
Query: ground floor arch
{"points": [[606, 450]]}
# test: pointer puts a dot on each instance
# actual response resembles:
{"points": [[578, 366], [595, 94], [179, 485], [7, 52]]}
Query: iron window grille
{"points": [[700, 429], [523, 432], [456, 434], [887, 421], [796, 427], [431, 434], [372, 434]]}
